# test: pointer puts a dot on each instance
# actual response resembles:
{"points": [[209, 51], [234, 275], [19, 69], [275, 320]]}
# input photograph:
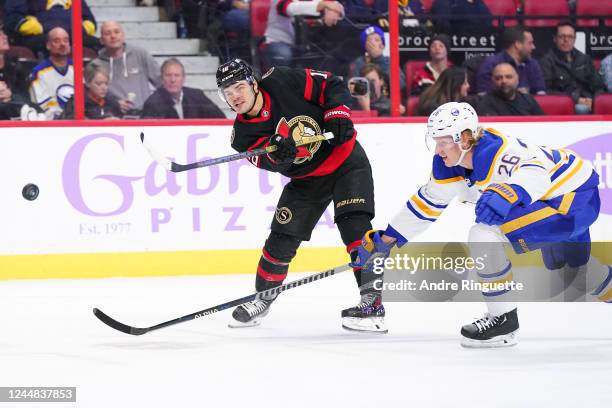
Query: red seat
{"points": [[545, 8], [597, 64], [21, 53], [603, 104], [259, 17], [411, 105], [427, 5], [556, 104], [504, 8], [410, 69], [592, 8]]}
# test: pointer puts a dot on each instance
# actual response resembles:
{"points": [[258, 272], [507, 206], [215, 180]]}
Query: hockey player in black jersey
{"points": [[278, 109]]}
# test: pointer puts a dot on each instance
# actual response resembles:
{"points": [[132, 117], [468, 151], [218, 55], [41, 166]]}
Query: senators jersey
{"points": [[543, 173], [300, 97]]}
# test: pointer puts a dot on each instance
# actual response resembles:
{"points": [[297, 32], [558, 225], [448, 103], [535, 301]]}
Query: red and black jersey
{"points": [[300, 97]]}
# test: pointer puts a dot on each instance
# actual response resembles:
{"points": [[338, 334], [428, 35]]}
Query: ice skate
{"points": [[367, 316], [491, 331], [250, 314]]}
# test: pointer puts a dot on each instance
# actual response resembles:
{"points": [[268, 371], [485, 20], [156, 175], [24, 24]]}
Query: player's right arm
{"points": [[425, 206]]}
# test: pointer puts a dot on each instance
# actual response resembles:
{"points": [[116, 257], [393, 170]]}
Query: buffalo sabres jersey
{"points": [[542, 172], [52, 88], [295, 101]]}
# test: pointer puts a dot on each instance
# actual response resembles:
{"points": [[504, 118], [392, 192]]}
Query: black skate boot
{"points": [[250, 314], [491, 331], [367, 316]]}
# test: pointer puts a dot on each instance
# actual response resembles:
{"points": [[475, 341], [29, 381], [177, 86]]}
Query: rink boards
{"points": [[106, 209]]}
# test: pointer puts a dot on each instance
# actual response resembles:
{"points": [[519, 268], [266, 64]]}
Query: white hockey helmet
{"points": [[451, 119]]}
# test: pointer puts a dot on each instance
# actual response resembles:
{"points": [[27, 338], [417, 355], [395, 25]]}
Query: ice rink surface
{"points": [[299, 357]]}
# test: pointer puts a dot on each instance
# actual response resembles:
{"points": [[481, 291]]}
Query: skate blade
{"points": [[367, 325], [507, 340], [239, 325]]}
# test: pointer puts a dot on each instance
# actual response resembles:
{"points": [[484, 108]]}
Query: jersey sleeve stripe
{"points": [[423, 207], [308, 87], [418, 214], [567, 176], [448, 180], [441, 206]]}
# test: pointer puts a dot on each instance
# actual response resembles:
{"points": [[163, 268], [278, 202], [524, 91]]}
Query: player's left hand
{"points": [[338, 121], [495, 204], [372, 246]]}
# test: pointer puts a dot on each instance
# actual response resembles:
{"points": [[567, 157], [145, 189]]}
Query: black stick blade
{"points": [[109, 321]]}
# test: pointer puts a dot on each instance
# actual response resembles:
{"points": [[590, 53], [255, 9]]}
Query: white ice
{"points": [[299, 357]]}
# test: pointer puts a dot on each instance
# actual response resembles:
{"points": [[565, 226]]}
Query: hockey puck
{"points": [[30, 192]]}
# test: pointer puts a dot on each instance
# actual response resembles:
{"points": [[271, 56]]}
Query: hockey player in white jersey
{"points": [[531, 196]]}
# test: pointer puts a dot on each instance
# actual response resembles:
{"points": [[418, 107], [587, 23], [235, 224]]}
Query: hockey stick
{"points": [[137, 331], [176, 167]]}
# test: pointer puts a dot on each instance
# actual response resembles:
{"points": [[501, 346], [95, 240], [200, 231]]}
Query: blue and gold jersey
{"points": [[543, 173]]}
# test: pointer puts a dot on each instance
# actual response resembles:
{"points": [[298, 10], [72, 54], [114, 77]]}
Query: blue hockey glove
{"points": [[371, 247], [496, 202]]}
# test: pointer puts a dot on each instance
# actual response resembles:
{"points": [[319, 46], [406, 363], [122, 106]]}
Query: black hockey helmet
{"points": [[233, 71]]}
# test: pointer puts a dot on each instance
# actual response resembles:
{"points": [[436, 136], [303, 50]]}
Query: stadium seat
{"points": [[556, 104], [597, 64], [427, 5], [592, 8], [21, 53], [603, 104], [411, 105], [534, 8], [504, 8], [258, 20], [410, 69], [259, 17]]}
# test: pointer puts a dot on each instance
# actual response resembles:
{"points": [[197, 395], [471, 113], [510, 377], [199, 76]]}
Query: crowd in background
{"points": [[347, 37]]}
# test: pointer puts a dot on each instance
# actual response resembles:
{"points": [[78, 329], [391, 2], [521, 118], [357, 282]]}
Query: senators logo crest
{"points": [[298, 127]]}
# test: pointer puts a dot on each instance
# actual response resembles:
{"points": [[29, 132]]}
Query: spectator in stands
{"points": [[280, 34], [99, 103], [133, 71], [439, 47], [505, 97], [472, 16], [373, 45], [605, 70], [13, 87], [236, 19], [451, 86], [173, 100], [407, 9], [378, 96], [518, 45], [28, 21], [569, 71], [52, 81]]}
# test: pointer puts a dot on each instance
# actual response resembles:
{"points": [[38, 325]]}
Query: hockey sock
{"points": [[273, 265]]}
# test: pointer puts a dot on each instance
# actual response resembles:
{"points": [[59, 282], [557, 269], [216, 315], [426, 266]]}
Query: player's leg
{"points": [[499, 325], [298, 210], [353, 195], [272, 269]]}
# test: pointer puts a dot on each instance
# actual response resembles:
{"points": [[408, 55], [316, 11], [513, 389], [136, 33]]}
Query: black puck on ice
{"points": [[30, 192]]}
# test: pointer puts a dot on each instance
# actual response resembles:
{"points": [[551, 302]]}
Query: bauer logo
{"points": [[598, 151]]}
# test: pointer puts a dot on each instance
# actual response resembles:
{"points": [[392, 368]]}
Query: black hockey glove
{"points": [[286, 150], [338, 121]]}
